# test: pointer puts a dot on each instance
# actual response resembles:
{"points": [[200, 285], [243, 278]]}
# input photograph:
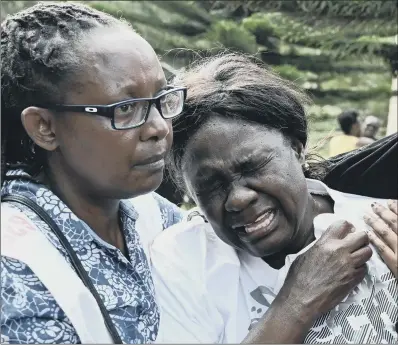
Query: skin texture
{"points": [[383, 221], [317, 281], [92, 166], [235, 184]]}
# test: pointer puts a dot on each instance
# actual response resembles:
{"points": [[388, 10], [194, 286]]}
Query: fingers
{"points": [[382, 230], [356, 240], [361, 256], [360, 273], [385, 252], [393, 206], [339, 229], [386, 215]]}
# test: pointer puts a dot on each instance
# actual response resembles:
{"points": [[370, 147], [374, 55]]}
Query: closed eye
{"points": [[209, 189], [252, 167]]}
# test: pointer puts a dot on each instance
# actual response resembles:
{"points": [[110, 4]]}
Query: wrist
{"points": [[297, 309]]}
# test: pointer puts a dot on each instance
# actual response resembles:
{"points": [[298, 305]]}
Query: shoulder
{"points": [[190, 264], [17, 217], [154, 205], [171, 213], [190, 244], [182, 232]]}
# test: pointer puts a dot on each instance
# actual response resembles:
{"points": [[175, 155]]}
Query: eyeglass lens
{"points": [[134, 113]]}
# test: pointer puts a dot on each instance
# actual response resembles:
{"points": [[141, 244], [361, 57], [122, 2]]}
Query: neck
{"points": [[102, 215], [304, 235]]}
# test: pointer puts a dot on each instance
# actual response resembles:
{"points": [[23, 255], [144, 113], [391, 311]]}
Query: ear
{"points": [[40, 125], [299, 150]]}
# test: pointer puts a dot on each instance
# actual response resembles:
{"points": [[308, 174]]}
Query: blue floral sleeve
{"points": [[171, 213], [23, 298]]}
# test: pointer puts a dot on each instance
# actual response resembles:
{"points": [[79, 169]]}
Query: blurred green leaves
{"points": [[341, 51]]}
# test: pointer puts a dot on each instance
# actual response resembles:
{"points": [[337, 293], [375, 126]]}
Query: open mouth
{"points": [[262, 226], [261, 222]]}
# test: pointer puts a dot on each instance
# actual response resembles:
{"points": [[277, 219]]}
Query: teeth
{"points": [[260, 222]]}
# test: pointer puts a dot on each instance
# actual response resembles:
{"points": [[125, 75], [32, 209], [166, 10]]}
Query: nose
{"points": [[156, 127], [239, 198]]}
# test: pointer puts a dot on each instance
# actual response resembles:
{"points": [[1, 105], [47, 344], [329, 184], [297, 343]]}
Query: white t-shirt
{"points": [[210, 293]]}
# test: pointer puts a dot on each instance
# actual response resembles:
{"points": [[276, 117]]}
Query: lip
{"points": [[241, 224], [152, 163], [259, 234]]}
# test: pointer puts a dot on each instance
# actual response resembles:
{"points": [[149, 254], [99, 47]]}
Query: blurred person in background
{"points": [[348, 140], [371, 126]]}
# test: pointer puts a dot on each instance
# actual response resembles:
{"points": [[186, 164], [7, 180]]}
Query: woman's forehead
{"points": [[126, 67], [227, 133], [228, 140]]}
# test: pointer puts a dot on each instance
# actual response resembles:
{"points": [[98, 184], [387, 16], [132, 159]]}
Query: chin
{"points": [[148, 185], [140, 186], [268, 247]]}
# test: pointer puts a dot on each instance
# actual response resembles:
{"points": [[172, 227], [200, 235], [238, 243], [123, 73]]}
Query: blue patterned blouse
{"points": [[29, 314]]}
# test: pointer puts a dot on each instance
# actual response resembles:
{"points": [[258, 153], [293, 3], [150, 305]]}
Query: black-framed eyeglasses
{"points": [[134, 112]]}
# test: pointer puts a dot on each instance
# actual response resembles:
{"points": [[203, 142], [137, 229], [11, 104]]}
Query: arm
{"points": [[317, 281], [29, 314], [283, 323], [363, 141], [359, 171]]}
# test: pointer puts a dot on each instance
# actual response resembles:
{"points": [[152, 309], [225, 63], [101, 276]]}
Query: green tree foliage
{"points": [[341, 51], [344, 27]]}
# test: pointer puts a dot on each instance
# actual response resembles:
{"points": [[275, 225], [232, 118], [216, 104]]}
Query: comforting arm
{"points": [[363, 141]]}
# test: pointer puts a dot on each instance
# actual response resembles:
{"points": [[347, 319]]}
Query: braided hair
{"points": [[37, 66]]}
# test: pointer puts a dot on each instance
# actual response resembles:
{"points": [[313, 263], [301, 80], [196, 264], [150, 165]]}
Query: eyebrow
{"points": [[131, 90], [162, 88], [254, 156]]}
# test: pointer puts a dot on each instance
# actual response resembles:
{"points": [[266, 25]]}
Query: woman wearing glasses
{"points": [[86, 125]]}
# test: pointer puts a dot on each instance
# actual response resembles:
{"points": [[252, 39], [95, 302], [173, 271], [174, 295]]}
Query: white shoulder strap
{"points": [[21, 240], [149, 223]]}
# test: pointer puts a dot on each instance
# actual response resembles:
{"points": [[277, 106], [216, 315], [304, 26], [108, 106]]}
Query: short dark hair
{"points": [[36, 61], [234, 85], [347, 119]]}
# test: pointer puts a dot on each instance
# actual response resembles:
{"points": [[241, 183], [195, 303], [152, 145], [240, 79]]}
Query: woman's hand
{"points": [[323, 276], [317, 281], [385, 236]]}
